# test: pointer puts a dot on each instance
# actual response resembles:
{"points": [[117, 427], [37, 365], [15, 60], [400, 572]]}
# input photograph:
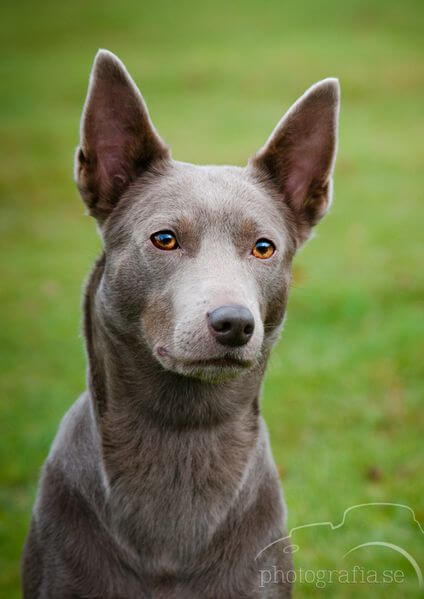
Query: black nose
{"points": [[231, 325]]}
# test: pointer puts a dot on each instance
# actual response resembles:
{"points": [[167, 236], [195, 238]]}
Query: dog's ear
{"points": [[298, 158], [118, 140]]}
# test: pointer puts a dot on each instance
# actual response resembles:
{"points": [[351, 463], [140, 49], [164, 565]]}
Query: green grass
{"points": [[343, 395]]}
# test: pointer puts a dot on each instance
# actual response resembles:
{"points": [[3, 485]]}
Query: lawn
{"points": [[344, 392]]}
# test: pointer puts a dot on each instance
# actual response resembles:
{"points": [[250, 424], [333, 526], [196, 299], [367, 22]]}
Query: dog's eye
{"points": [[164, 240], [263, 249]]}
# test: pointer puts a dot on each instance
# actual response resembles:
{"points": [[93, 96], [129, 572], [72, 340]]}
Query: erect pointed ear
{"points": [[118, 140], [298, 158]]}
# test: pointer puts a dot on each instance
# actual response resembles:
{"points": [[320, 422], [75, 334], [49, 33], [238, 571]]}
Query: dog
{"points": [[160, 482]]}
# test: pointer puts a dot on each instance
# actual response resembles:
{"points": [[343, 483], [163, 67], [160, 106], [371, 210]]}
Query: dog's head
{"points": [[198, 257]]}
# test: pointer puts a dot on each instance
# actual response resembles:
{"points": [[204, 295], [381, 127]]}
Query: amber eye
{"points": [[263, 249], [164, 240]]}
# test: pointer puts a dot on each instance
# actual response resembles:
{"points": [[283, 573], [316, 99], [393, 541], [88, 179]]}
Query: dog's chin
{"points": [[212, 370]]}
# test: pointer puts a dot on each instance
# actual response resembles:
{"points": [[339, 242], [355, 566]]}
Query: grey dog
{"points": [[160, 482]]}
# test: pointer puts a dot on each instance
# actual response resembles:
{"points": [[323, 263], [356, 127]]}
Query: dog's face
{"points": [[198, 257]]}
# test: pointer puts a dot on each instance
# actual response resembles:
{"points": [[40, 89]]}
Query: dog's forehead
{"points": [[207, 197]]}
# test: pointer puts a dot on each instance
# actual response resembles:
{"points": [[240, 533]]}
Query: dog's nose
{"points": [[231, 325]]}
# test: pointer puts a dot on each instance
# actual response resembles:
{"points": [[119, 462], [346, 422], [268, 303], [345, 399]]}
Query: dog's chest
{"points": [[171, 492]]}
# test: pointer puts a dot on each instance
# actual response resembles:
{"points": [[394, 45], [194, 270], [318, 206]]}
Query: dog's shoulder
{"points": [[74, 457], [76, 432]]}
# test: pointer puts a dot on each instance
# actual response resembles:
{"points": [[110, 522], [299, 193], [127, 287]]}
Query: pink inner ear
{"points": [[310, 162], [110, 164], [297, 180]]}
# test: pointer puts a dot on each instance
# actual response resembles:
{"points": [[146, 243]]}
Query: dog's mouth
{"points": [[221, 362], [227, 363]]}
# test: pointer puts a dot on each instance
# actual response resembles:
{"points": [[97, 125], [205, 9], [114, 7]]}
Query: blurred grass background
{"points": [[343, 395]]}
